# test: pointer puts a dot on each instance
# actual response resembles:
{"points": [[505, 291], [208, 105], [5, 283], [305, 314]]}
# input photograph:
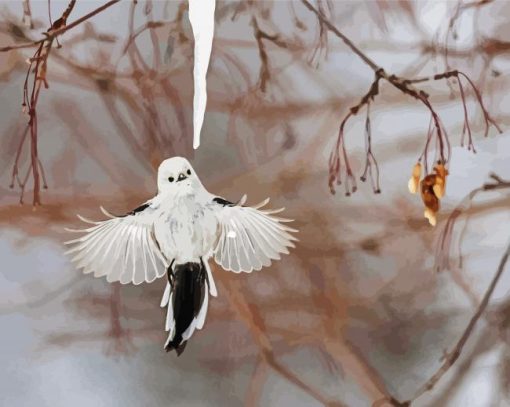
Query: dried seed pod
{"points": [[440, 185], [441, 170], [417, 170], [413, 185], [431, 216], [414, 181], [428, 195]]}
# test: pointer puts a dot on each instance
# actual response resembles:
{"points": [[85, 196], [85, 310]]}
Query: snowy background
{"points": [[356, 311]]}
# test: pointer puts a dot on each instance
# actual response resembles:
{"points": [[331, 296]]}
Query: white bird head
{"points": [[176, 176]]}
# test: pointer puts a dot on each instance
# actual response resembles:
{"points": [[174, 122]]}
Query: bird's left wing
{"points": [[122, 248], [250, 237]]}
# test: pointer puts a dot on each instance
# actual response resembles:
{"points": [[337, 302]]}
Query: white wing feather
{"points": [[121, 248], [251, 237]]}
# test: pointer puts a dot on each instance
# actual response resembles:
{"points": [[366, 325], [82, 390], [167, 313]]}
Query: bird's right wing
{"points": [[122, 248], [250, 237]]}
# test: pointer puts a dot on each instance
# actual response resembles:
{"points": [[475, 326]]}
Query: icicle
{"points": [[201, 17]]}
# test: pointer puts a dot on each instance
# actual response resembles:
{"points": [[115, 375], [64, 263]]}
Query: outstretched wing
{"points": [[122, 248], [249, 237]]}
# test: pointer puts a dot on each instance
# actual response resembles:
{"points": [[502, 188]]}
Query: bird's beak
{"points": [[181, 177]]}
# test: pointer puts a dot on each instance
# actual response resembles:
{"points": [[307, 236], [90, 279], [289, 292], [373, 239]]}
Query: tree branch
{"points": [[347, 41], [404, 85], [50, 34], [452, 356], [445, 238]]}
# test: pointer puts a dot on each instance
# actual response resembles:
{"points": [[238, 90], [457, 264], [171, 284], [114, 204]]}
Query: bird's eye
{"points": [[189, 172], [171, 179]]}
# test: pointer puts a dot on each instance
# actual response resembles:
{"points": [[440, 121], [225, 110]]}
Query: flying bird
{"points": [[175, 234]]}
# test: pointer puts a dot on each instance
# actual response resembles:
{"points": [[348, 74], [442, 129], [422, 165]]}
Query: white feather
{"points": [[120, 248], [250, 238], [170, 322], [203, 310], [212, 284], [166, 296]]}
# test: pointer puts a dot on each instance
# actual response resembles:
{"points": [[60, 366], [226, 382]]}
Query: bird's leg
{"points": [[170, 274]]}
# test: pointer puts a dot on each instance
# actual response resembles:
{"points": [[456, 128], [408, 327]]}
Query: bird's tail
{"points": [[186, 301]]}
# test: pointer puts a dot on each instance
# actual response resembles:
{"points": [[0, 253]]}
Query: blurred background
{"points": [[358, 313]]}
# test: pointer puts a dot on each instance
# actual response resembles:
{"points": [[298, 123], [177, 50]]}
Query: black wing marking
{"points": [[223, 202], [139, 209]]}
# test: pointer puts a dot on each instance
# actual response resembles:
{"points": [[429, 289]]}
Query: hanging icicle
{"points": [[201, 17]]}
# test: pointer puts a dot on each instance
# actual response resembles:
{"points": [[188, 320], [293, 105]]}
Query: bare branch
{"points": [[445, 238], [452, 356], [27, 14], [404, 85], [62, 29]]}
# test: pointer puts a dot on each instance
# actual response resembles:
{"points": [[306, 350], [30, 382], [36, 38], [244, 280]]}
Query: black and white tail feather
{"points": [[135, 248], [186, 298]]}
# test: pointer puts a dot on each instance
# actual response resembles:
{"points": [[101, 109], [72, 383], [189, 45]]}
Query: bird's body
{"points": [[175, 234], [187, 228]]}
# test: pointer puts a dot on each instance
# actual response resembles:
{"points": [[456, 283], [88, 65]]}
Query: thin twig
{"points": [[404, 85], [31, 91], [445, 238], [57, 32], [27, 14], [455, 353]]}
